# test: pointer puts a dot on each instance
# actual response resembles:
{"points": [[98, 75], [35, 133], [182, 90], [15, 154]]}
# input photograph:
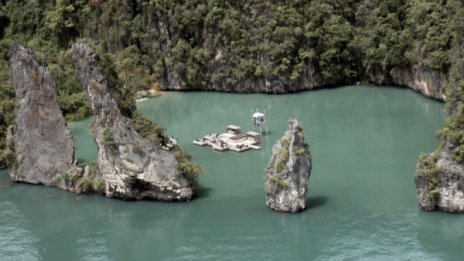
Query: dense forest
{"points": [[238, 45]]}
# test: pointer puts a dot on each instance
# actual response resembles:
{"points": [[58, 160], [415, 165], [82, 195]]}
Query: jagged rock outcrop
{"points": [[288, 172], [43, 143], [440, 181], [132, 166]]}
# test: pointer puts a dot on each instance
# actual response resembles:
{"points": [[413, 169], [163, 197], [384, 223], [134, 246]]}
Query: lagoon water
{"points": [[362, 206]]}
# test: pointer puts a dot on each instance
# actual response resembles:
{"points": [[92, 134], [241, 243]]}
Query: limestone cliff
{"points": [[131, 165], [43, 144], [288, 172], [419, 78], [440, 181]]}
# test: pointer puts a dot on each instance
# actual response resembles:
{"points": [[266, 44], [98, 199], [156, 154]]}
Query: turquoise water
{"points": [[362, 206]]}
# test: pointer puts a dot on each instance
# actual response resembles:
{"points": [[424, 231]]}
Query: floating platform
{"points": [[200, 142], [232, 140]]}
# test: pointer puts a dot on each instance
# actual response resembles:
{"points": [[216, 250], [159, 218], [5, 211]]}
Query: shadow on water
{"points": [[317, 201], [313, 202], [202, 192]]}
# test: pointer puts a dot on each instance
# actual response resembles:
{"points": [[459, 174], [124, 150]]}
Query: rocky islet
{"points": [[43, 143], [288, 171], [129, 167], [132, 166], [41, 132]]}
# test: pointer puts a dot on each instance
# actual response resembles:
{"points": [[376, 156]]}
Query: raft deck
{"points": [[232, 140]]}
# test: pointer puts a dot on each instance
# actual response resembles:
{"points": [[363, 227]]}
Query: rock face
{"points": [[132, 167], [419, 78], [288, 172], [43, 143], [440, 182]]}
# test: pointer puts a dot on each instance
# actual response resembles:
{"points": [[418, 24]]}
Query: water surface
{"points": [[364, 142]]}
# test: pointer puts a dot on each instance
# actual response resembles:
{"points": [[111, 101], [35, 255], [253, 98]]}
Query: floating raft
{"points": [[232, 140]]}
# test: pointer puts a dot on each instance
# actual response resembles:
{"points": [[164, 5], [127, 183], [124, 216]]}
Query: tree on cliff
{"points": [[275, 46]]}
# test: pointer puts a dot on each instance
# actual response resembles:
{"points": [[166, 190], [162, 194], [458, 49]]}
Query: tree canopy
{"points": [[196, 44]]}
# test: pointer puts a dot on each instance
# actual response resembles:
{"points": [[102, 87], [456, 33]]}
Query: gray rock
{"points": [[288, 172], [422, 79], [132, 167], [440, 186], [43, 143], [419, 78]]}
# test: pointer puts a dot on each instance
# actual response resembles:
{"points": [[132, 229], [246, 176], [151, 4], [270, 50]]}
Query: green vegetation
{"points": [[187, 168], [7, 108], [137, 147], [427, 168], [149, 129], [92, 182], [122, 94], [453, 130], [108, 139], [201, 44], [66, 176], [156, 134], [8, 156], [299, 152], [282, 155], [278, 179]]}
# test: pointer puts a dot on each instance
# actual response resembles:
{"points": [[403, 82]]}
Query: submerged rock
{"points": [[132, 166], [43, 143], [440, 181], [288, 171]]}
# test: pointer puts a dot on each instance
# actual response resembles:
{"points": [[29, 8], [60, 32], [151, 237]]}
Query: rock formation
{"points": [[418, 78], [43, 143], [288, 172], [440, 182], [131, 165]]}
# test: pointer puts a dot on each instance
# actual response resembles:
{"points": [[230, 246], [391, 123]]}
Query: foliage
{"points": [[198, 44], [434, 193], [92, 182], [386, 40], [8, 157], [67, 177], [299, 152], [432, 22], [453, 131], [122, 94], [187, 168], [108, 139], [137, 147], [156, 133], [75, 106], [149, 129], [7, 109], [282, 155], [427, 168], [278, 179]]}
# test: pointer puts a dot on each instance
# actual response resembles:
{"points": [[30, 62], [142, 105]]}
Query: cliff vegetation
{"points": [[241, 46]]}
